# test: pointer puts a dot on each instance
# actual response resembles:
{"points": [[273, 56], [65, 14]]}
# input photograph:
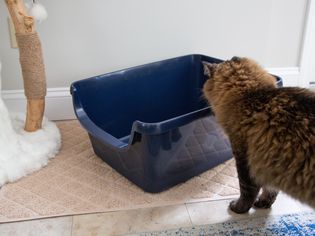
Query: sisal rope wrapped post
{"points": [[32, 64]]}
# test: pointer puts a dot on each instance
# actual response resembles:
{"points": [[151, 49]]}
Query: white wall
{"points": [[86, 38]]}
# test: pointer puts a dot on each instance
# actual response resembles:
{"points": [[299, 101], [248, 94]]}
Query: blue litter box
{"points": [[150, 123]]}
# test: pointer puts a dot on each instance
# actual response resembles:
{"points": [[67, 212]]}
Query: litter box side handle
{"points": [[90, 126]]}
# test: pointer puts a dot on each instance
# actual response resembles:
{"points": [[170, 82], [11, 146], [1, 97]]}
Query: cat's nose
{"points": [[235, 59]]}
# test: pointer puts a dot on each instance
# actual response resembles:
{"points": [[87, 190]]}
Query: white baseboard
{"points": [[59, 101], [291, 76]]}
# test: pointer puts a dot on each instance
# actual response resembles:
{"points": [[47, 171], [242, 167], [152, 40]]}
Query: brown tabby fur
{"points": [[272, 132]]}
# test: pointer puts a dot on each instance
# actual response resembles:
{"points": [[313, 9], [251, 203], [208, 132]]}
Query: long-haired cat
{"points": [[272, 132]]}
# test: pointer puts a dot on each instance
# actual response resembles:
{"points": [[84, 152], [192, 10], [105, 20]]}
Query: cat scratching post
{"points": [[32, 64]]}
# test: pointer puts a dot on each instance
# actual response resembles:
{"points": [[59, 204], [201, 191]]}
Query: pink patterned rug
{"points": [[78, 182]]}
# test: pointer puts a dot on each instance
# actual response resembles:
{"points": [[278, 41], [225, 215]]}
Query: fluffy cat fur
{"points": [[272, 132]]}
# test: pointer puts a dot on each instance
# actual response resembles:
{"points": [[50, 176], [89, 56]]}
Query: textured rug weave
{"points": [[76, 182], [301, 224]]}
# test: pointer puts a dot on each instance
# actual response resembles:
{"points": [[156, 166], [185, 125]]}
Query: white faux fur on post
{"points": [[23, 152], [38, 11]]}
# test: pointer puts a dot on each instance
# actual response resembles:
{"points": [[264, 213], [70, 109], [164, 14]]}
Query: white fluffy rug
{"points": [[22, 152]]}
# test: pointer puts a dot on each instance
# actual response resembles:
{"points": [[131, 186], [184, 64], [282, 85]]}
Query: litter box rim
{"points": [[139, 126]]}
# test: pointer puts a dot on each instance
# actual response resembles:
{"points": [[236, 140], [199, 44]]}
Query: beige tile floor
{"points": [[144, 220]]}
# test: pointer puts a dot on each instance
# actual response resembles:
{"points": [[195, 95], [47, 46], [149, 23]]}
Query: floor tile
{"points": [[145, 220], [218, 211], [133, 221], [211, 212], [49, 227], [287, 205]]}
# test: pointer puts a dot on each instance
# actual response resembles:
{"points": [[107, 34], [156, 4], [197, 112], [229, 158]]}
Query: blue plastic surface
{"points": [[151, 123]]}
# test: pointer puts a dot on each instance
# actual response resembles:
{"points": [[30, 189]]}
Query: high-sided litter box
{"points": [[151, 123]]}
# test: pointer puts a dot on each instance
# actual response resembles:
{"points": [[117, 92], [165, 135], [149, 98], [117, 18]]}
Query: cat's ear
{"points": [[208, 68]]}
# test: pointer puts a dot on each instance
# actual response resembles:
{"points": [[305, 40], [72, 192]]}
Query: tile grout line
{"points": [[189, 215], [71, 230]]}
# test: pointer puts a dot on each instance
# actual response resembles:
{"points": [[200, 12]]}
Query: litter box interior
{"points": [[150, 93]]}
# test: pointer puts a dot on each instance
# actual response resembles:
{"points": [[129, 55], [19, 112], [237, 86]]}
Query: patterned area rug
{"points": [[78, 182], [302, 224]]}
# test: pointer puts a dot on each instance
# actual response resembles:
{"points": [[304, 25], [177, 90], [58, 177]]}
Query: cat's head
{"points": [[233, 78]]}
